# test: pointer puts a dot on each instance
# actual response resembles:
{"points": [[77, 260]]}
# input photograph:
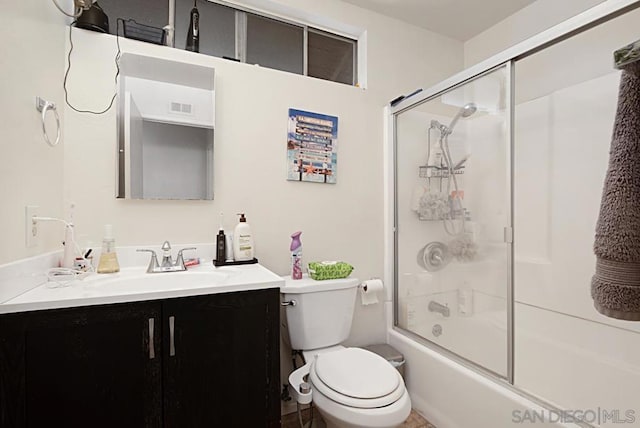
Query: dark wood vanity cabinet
{"points": [[80, 367], [225, 348], [203, 361]]}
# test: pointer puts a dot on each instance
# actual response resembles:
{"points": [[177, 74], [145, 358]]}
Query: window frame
{"points": [[241, 37], [354, 53]]}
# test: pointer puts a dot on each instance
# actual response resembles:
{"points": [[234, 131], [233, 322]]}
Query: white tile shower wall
{"points": [[32, 64], [554, 241], [342, 221]]}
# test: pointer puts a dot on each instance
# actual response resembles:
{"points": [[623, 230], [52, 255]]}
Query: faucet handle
{"points": [[153, 263], [180, 258], [185, 249]]}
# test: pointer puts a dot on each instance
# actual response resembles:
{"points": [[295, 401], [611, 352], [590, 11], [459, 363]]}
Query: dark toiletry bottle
{"points": [[221, 246], [193, 35]]}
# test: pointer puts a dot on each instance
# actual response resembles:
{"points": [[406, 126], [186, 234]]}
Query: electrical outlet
{"points": [[31, 227]]}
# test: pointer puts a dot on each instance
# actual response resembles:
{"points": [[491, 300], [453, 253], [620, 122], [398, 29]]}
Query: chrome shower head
{"points": [[466, 111], [469, 109]]}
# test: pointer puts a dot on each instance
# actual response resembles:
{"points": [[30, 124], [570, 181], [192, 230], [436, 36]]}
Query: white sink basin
{"points": [[140, 282]]}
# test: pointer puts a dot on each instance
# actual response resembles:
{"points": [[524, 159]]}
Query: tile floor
{"points": [[413, 421]]}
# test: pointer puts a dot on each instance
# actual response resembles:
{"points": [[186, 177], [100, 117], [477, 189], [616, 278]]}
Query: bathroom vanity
{"points": [[196, 355]]}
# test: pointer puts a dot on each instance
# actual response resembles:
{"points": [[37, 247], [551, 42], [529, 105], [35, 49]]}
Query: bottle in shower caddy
{"points": [[434, 161], [296, 256], [108, 258]]}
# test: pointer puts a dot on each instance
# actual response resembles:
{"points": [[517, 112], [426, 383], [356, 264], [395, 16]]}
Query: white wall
{"points": [[31, 64], [341, 221], [528, 21]]}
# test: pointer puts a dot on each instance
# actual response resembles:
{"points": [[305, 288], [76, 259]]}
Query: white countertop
{"points": [[133, 284]]}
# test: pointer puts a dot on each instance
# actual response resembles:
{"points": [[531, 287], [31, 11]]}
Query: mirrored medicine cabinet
{"points": [[166, 118]]}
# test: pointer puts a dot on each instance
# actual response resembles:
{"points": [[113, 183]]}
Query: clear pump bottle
{"points": [[108, 258]]}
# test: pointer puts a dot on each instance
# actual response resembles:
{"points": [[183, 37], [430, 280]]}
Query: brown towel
{"points": [[615, 287]]}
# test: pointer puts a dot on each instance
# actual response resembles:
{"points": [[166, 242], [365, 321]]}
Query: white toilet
{"points": [[351, 387]]}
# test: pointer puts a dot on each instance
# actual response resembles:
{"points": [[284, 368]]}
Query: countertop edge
{"points": [[265, 280]]}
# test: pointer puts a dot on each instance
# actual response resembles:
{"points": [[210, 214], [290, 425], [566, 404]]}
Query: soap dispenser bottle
{"points": [[296, 256], [243, 240], [108, 259]]}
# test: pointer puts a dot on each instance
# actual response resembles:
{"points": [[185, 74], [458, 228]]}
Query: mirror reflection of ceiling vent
{"points": [[181, 108]]}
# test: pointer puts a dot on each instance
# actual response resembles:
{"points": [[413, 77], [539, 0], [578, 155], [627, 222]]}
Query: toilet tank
{"points": [[323, 311]]}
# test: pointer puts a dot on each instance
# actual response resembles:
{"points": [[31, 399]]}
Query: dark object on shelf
{"points": [[235, 263], [94, 19], [145, 33], [221, 245], [231, 59], [193, 36], [397, 100]]}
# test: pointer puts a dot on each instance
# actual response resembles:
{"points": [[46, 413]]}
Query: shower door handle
{"points": [[508, 234]]}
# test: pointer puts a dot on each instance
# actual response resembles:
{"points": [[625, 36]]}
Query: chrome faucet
{"points": [[439, 307], [166, 258], [167, 262]]}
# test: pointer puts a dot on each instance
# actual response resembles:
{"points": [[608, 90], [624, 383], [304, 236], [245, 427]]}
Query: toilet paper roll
{"points": [[369, 291]]}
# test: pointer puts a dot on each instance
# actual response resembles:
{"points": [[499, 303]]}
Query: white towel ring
{"points": [[44, 106]]}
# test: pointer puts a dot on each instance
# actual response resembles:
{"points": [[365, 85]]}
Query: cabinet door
{"points": [[86, 367], [222, 364]]}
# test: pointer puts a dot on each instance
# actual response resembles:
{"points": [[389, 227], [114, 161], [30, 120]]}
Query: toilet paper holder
{"points": [[363, 284]]}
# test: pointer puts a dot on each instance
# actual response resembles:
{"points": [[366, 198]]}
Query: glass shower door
{"points": [[453, 219]]}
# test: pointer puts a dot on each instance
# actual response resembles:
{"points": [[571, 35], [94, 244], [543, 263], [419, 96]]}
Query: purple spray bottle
{"points": [[296, 256]]}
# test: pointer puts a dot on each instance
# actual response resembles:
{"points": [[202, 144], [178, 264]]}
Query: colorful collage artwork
{"points": [[312, 143]]}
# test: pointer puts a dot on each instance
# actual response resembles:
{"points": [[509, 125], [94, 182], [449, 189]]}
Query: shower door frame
{"points": [[580, 23], [508, 229]]}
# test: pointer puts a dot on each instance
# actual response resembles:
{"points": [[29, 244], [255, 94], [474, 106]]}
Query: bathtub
{"points": [[451, 395], [554, 367]]}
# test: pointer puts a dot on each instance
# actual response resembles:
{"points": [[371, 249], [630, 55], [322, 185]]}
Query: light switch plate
{"points": [[30, 228]]}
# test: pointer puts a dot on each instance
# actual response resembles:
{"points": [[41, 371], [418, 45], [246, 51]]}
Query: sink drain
{"points": [[436, 330]]}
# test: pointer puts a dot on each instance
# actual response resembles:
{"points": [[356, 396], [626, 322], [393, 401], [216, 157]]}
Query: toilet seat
{"points": [[357, 378]]}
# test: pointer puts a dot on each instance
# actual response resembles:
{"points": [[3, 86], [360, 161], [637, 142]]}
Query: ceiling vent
{"points": [[181, 108]]}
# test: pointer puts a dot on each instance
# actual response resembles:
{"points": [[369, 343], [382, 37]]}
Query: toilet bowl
{"points": [[353, 388], [350, 387]]}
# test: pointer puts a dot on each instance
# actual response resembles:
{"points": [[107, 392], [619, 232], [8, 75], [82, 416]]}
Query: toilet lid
{"points": [[356, 377]]}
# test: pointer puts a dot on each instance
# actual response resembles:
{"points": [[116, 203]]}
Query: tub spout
{"points": [[439, 307]]}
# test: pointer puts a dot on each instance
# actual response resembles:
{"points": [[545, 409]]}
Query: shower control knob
{"points": [[305, 388]]}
